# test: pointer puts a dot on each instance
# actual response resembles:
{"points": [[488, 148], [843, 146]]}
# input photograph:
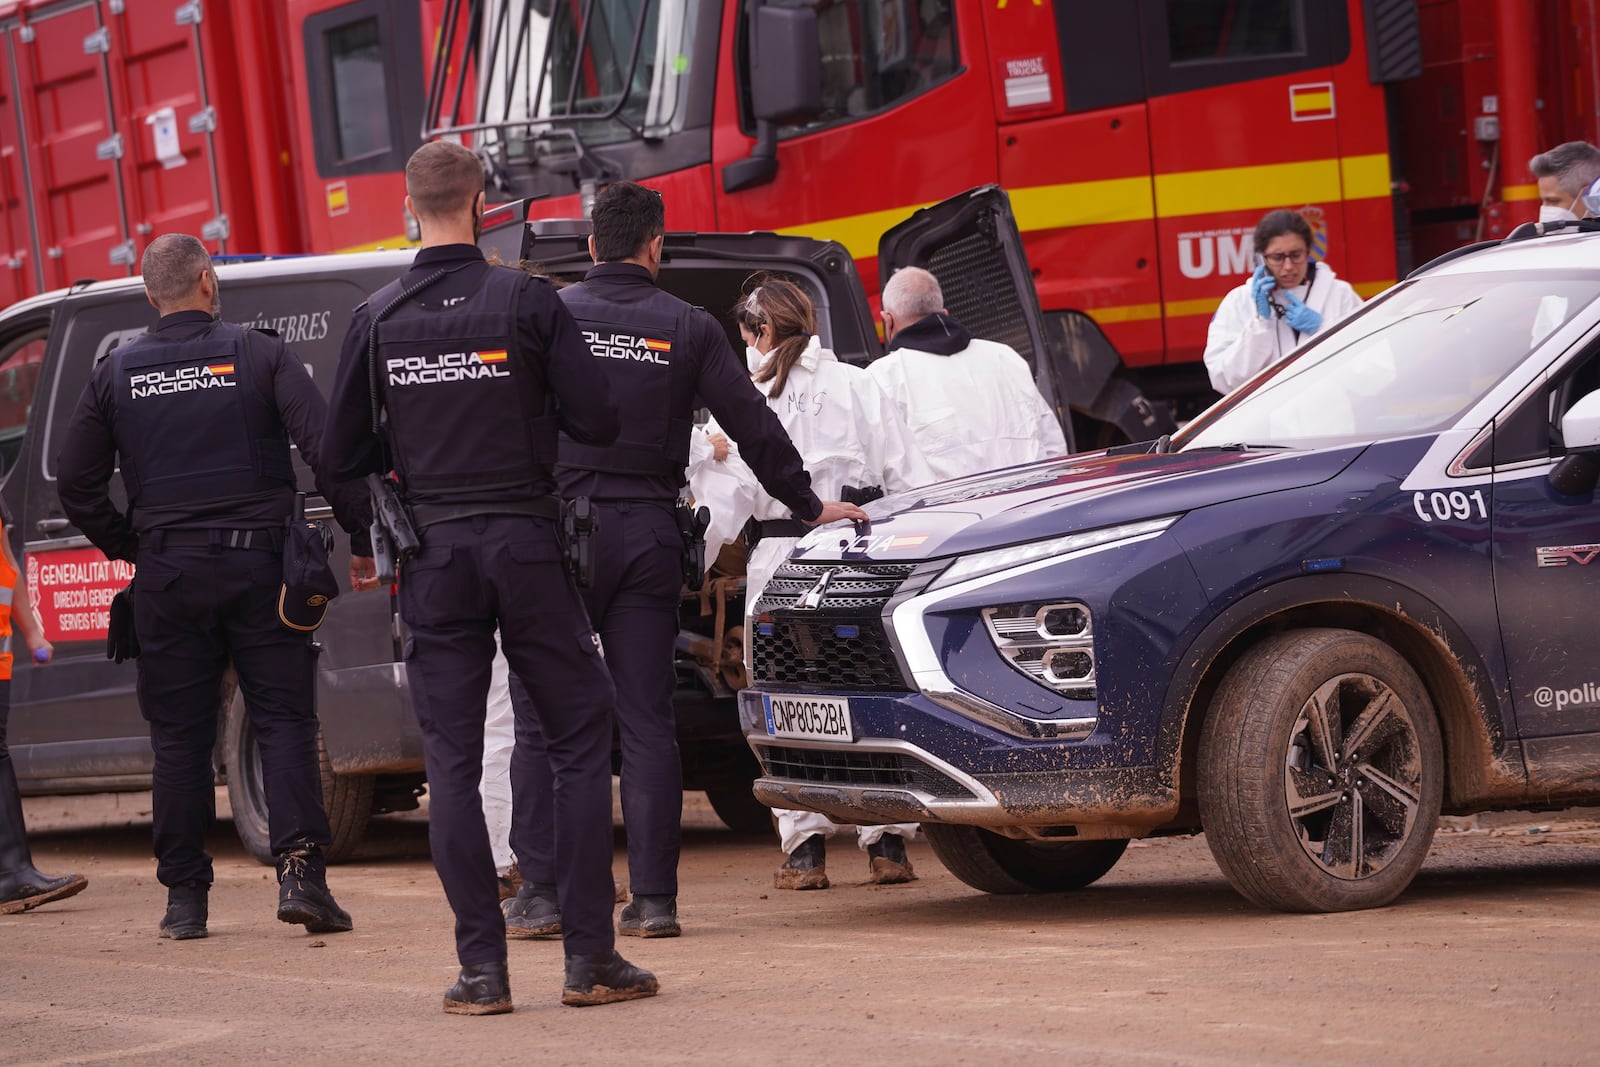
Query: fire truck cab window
{"points": [[878, 53], [355, 59], [1208, 31], [365, 97], [1201, 44]]}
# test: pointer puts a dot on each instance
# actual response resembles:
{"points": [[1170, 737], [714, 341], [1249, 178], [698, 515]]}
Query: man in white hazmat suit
{"points": [[1290, 298], [851, 439], [971, 404]]}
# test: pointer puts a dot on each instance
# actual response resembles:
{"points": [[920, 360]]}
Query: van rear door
{"points": [[971, 244], [713, 270]]}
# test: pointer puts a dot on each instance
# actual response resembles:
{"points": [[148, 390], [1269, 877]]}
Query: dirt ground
{"points": [[1489, 958]]}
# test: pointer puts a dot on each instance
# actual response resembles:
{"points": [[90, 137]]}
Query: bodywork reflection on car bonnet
{"points": [[1063, 496]]}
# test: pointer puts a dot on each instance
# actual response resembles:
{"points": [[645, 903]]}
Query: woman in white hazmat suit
{"points": [[849, 434], [1288, 299]]}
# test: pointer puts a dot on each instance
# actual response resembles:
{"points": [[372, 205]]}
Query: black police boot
{"points": [[650, 916], [303, 897], [187, 911], [22, 887], [605, 979], [806, 867], [533, 914], [481, 989], [888, 861]]}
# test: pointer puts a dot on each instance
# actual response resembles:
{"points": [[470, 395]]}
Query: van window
{"points": [[20, 362], [879, 53]]}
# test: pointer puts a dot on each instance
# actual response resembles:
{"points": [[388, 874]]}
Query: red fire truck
{"points": [[1139, 140]]}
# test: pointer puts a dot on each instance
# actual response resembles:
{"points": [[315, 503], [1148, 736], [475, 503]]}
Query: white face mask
{"points": [[1551, 213], [754, 358]]}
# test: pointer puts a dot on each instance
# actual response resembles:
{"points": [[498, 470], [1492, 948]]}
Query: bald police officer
{"points": [[663, 358], [201, 413], [468, 358]]}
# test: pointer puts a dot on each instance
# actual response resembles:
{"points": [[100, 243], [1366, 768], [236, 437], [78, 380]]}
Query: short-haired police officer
{"points": [[659, 354], [201, 413], [468, 358]]}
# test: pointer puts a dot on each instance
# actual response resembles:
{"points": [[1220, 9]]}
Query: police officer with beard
{"points": [[468, 360], [200, 413], [659, 354]]}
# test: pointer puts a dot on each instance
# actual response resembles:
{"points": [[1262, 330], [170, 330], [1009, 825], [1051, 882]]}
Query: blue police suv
{"points": [[1353, 594]]}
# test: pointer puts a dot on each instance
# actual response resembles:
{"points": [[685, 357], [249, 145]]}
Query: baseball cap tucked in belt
{"points": [[308, 580]]}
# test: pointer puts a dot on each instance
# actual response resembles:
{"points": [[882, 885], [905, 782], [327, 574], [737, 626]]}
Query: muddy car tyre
{"points": [[347, 797], [996, 864], [1320, 773]]}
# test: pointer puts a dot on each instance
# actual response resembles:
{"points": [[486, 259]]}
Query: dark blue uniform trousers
{"points": [[633, 602], [195, 609], [472, 575]]}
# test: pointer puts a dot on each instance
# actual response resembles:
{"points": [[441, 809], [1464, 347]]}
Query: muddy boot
{"points": [[303, 897], [22, 887], [481, 989], [605, 979], [533, 914], [187, 911], [806, 867], [650, 916], [510, 882], [888, 861]]}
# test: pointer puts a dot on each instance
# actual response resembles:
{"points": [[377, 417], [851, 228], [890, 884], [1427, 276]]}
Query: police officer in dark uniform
{"points": [[659, 354], [468, 360], [201, 413]]}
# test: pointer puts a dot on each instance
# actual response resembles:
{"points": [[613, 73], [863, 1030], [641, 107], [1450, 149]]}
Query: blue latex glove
{"points": [[1300, 317], [1261, 286]]}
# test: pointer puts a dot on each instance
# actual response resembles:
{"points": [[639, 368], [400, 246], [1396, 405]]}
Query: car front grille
{"points": [[867, 769], [841, 642]]}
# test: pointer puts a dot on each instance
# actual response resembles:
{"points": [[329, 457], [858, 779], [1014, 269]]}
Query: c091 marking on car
{"points": [[1441, 506]]}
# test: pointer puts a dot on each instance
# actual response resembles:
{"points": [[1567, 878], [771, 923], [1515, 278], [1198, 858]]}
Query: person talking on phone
{"points": [[1290, 297]]}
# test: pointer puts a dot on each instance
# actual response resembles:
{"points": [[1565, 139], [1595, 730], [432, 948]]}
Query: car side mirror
{"points": [[1579, 470], [785, 86]]}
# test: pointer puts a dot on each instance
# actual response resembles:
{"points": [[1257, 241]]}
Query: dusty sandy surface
{"points": [[1491, 957]]}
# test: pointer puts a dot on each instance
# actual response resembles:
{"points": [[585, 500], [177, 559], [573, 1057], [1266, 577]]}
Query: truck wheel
{"points": [[738, 808], [1321, 772], [347, 797], [995, 864]]}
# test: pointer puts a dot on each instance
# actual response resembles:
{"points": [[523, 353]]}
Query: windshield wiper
{"points": [[1240, 446]]}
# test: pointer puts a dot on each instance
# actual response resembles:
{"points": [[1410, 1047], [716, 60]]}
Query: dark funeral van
{"points": [[75, 724]]}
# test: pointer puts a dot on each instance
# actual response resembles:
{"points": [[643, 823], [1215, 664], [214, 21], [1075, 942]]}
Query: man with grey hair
{"points": [[971, 404], [200, 414], [1564, 174]]}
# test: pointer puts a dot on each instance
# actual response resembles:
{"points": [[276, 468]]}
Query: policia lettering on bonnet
{"points": [[455, 379], [200, 414]]}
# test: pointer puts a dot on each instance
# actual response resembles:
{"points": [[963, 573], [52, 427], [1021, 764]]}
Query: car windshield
{"points": [[1411, 363], [624, 62]]}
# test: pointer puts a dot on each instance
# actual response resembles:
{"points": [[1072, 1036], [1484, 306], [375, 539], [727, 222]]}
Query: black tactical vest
{"points": [[642, 347], [460, 399], [191, 424]]}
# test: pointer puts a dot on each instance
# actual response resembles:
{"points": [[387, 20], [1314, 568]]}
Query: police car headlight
{"points": [[1000, 559]]}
